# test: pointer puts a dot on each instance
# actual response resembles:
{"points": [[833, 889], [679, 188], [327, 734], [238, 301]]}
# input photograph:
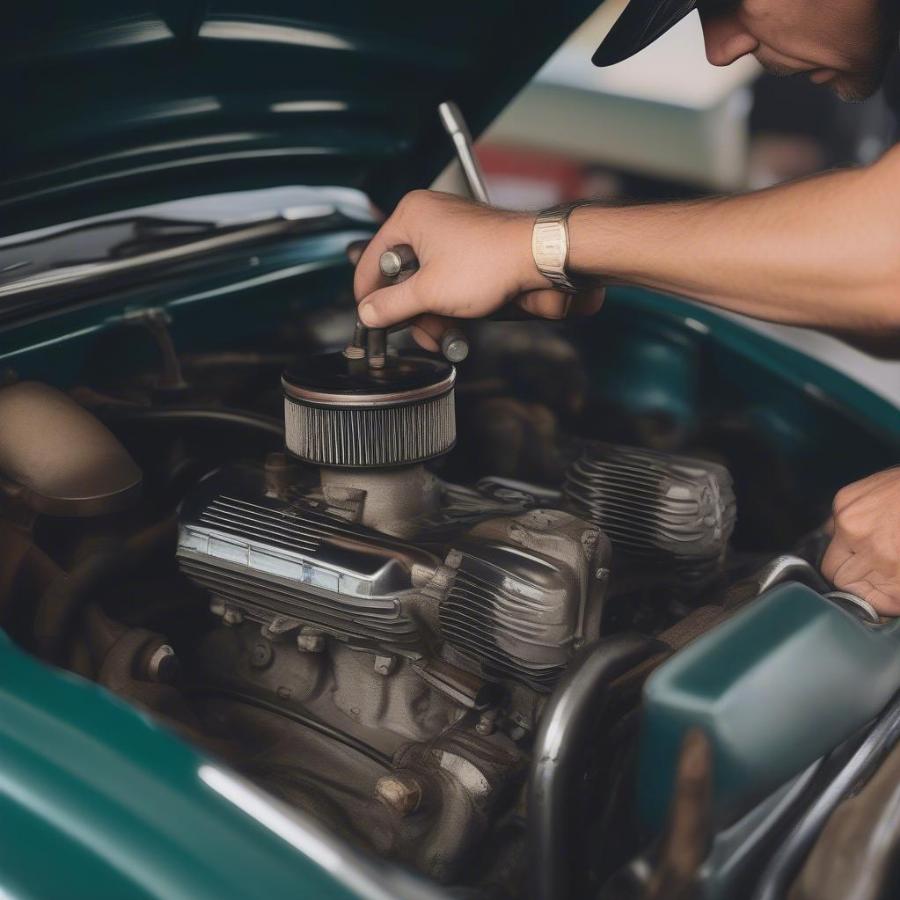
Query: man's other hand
{"points": [[864, 554], [473, 259]]}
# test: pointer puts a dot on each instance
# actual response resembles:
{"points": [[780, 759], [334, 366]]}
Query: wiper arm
{"points": [[97, 240], [155, 232], [211, 239]]}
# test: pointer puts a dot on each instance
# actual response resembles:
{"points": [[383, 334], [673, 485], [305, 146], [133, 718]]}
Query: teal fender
{"points": [[775, 688], [97, 800]]}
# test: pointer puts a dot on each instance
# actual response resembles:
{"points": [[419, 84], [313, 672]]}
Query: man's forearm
{"points": [[825, 251], [822, 252]]}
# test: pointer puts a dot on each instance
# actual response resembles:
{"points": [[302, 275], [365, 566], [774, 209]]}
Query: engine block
{"points": [[512, 596], [394, 638]]}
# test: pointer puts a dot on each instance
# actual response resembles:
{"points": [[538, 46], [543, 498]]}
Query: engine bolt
{"points": [[310, 640], [163, 664], [278, 627], [487, 722], [261, 655], [400, 793], [232, 616], [385, 665]]}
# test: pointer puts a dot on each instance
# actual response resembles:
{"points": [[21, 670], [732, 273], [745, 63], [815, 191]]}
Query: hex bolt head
{"points": [[401, 793], [232, 616], [278, 627], [487, 722], [261, 654], [163, 665], [385, 665], [310, 640]]}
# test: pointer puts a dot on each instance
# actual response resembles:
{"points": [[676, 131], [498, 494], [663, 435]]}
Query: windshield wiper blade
{"points": [[211, 240], [96, 241]]}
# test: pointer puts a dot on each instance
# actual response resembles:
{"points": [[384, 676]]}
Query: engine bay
{"points": [[381, 622]]}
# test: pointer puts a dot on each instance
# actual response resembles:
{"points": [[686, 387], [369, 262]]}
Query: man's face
{"points": [[845, 44]]}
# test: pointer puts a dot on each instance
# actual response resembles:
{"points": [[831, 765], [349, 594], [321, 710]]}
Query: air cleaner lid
{"points": [[330, 379]]}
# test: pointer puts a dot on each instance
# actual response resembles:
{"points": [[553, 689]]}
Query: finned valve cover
{"points": [[343, 412], [671, 514]]}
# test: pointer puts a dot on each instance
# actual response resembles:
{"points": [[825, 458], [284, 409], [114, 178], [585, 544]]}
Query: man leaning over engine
{"points": [[822, 252]]}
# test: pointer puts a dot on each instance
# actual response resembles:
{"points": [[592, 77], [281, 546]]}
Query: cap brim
{"points": [[640, 24]]}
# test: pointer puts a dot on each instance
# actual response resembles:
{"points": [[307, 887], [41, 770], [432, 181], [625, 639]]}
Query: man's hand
{"points": [[473, 259], [864, 554]]}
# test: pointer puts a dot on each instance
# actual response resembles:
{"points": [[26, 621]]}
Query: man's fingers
{"points": [[368, 277], [548, 304], [424, 339], [847, 495], [869, 589], [853, 572], [588, 302], [850, 558], [427, 331], [836, 555], [355, 250], [854, 567], [389, 305]]}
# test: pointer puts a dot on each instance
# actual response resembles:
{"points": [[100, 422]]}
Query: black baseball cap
{"points": [[640, 24]]}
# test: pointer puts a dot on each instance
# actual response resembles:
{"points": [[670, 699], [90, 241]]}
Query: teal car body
{"points": [[113, 106]]}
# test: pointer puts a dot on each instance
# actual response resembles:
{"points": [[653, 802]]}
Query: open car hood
{"points": [[127, 103]]}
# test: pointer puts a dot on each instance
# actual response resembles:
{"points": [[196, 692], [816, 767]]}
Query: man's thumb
{"points": [[391, 305]]}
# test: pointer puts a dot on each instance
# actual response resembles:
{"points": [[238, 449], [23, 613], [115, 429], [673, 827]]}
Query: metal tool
{"points": [[454, 345], [455, 125], [400, 261]]}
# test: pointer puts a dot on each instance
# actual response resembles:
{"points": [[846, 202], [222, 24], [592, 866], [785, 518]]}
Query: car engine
{"points": [[371, 640], [415, 627]]}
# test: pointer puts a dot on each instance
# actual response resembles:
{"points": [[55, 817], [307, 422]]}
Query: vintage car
{"points": [[288, 611]]}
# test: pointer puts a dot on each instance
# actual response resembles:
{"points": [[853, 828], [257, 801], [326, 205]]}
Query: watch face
{"points": [[549, 245]]}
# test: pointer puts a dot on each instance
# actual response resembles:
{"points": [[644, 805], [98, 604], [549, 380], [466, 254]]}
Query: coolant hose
{"points": [[557, 768]]}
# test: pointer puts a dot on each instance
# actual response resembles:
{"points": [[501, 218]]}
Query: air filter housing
{"points": [[345, 413], [664, 513]]}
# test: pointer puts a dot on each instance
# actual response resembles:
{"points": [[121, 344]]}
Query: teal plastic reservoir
{"points": [[775, 688]]}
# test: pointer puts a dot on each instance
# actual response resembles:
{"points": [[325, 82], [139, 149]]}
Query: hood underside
{"points": [[109, 104]]}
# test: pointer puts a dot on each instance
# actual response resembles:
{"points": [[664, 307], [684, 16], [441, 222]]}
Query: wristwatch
{"points": [[550, 246]]}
